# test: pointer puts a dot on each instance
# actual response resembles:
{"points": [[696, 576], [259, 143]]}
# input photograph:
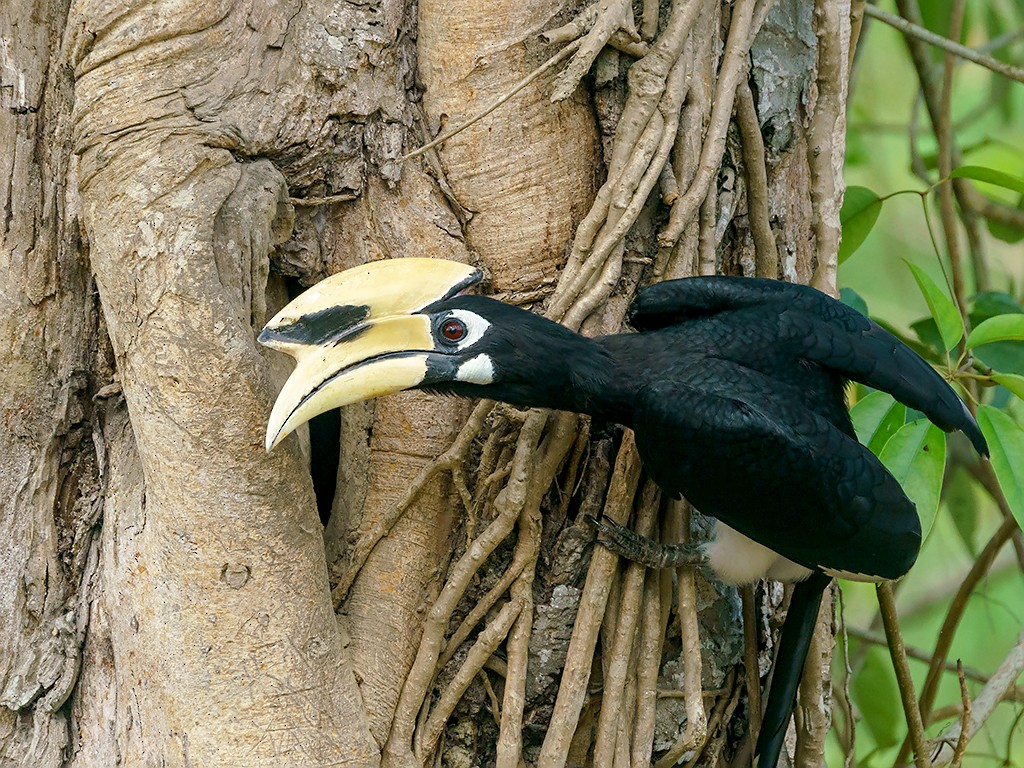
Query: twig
{"points": [[547, 65], [1016, 694], [949, 46], [956, 610], [887, 607], [985, 703], [314, 201], [965, 719]]}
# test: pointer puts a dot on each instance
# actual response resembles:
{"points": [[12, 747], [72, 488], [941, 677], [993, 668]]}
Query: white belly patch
{"points": [[736, 559]]}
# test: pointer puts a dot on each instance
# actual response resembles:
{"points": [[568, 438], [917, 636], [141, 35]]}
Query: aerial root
{"points": [[766, 252], [617, 662], [486, 644], [510, 734], [606, 22], [733, 69], [593, 600], [369, 534], [515, 470]]}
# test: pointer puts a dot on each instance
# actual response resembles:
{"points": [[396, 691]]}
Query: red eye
{"points": [[453, 330]]}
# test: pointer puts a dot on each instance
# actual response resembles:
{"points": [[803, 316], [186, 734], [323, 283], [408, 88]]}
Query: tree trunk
{"points": [[177, 170]]}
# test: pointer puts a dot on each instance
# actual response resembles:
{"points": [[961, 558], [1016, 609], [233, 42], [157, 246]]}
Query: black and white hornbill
{"points": [[734, 388]]}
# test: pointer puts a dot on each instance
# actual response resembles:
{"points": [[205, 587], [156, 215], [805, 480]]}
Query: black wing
{"points": [[775, 471], [818, 329]]}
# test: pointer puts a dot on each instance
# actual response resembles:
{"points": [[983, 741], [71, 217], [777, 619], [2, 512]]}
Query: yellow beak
{"points": [[356, 335]]}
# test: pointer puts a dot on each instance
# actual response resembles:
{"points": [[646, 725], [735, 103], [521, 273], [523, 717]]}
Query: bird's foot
{"points": [[640, 549]]}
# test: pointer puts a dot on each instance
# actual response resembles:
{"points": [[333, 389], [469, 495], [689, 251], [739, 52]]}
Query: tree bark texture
{"points": [[166, 585]]}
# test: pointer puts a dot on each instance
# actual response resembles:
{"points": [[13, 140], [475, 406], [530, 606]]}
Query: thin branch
{"points": [[943, 134], [547, 65], [887, 606], [956, 609], [944, 43], [345, 197], [984, 704]]}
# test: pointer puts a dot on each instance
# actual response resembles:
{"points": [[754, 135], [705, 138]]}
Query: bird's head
{"points": [[379, 328]]}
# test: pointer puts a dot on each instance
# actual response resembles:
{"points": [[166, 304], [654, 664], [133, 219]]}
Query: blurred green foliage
{"points": [[889, 266]]}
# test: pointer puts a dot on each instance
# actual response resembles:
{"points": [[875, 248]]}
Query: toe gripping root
{"points": [[640, 549]]}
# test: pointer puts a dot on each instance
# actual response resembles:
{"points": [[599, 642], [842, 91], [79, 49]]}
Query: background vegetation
{"points": [[893, 146]]}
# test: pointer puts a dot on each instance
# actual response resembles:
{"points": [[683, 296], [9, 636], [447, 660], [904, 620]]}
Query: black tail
{"points": [[789, 665]]}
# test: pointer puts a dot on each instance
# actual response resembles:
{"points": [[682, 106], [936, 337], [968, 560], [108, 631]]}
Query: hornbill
{"points": [[733, 387]]}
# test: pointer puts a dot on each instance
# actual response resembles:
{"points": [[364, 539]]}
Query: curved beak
{"points": [[357, 335]]}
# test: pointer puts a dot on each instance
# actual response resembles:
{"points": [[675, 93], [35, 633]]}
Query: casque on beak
{"points": [[357, 335]]}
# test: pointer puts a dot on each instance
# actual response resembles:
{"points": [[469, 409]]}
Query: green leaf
{"points": [[878, 697], [876, 418], [999, 328], [989, 176], [1005, 231], [988, 304], [854, 300], [916, 457], [960, 499], [859, 213], [1006, 442], [944, 312], [1012, 381]]}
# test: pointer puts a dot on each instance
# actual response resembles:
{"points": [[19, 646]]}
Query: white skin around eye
{"points": [[476, 327]]}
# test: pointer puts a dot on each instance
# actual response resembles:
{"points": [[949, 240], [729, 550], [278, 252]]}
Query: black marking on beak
{"points": [[317, 327], [463, 285]]}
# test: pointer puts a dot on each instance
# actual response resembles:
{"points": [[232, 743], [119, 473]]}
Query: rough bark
{"points": [[164, 584]]}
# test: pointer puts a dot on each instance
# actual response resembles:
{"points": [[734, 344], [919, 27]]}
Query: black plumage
{"points": [[735, 390]]}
